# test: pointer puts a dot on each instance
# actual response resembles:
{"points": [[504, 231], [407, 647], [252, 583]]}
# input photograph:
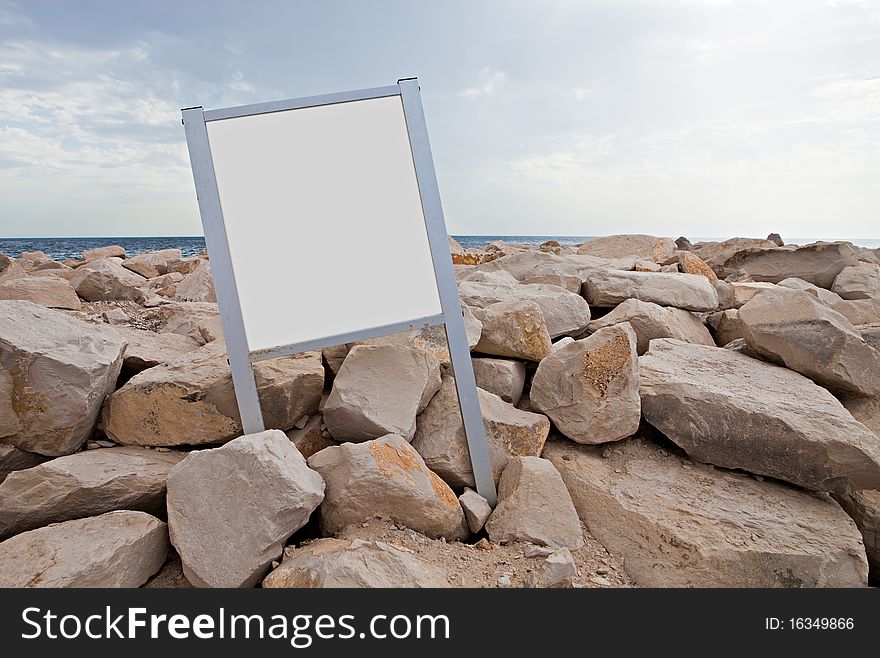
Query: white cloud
{"points": [[490, 83]]}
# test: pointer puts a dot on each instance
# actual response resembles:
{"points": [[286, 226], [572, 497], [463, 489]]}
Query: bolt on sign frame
{"points": [[233, 182]]}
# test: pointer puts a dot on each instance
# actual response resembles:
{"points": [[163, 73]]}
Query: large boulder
{"points": [[354, 563], [818, 263], [796, 329], [190, 400], [715, 253], [563, 311], [857, 311], [590, 388], [503, 377], [441, 441], [197, 286], [514, 328], [110, 251], [56, 371], [727, 409], [534, 506], [680, 524], [43, 290], [230, 509], [692, 264], [145, 349], [198, 320], [84, 484], [860, 281], [13, 459], [152, 263], [688, 291], [866, 410], [379, 390], [725, 325], [864, 508], [116, 549], [651, 321], [618, 246], [386, 477], [106, 279]]}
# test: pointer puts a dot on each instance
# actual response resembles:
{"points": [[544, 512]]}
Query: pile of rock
{"points": [[706, 413]]}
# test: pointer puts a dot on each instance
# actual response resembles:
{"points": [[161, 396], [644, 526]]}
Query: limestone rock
{"points": [[197, 286], [563, 311], [310, 439], [386, 477], [860, 281], [440, 437], [794, 328], [152, 263], [354, 563], [688, 291], [146, 349], [651, 321], [230, 509], [514, 328], [559, 568], [870, 334], [721, 407], [692, 264], [570, 283], [590, 388], [117, 549], [680, 524], [534, 506], [84, 484], [866, 410], [56, 371], [864, 509], [190, 400], [725, 325], [476, 509], [379, 390], [42, 290], [13, 459], [617, 246], [503, 377], [106, 279], [111, 251], [818, 263], [777, 239], [198, 320], [716, 253], [334, 357], [744, 291]]}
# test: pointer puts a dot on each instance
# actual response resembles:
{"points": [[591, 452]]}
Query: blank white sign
{"points": [[324, 221]]}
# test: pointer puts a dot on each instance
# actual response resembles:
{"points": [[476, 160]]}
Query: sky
{"points": [[690, 117]]}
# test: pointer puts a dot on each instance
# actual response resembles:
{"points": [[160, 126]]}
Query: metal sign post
{"points": [[242, 356]]}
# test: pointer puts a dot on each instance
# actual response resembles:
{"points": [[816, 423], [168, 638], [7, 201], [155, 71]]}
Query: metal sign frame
{"points": [[241, 359]]}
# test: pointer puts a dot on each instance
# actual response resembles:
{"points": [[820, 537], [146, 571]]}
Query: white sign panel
{"points": [[324, 221]]}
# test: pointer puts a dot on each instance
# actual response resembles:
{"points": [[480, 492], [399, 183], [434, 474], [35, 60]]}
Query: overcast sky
{"points": [[699, 118]]}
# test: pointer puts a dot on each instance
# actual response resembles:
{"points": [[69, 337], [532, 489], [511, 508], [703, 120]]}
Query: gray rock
{"points": [[590, 388], [146, 349], [509, 431], [870, 334], [864, 509], [198, 286], [688, 291], [651, 321], [794, 328], [818, 263], [198, 320], [354, 563], [231, 509], [190, 400], [476, 509], [56, 371], [117, 549], [720, 407], [379, 390], [386, 477], [503, 377], [84, 484], [675, 523], [513, 328], [534, 506]]}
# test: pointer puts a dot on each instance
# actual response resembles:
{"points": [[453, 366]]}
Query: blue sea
{"points": [[61, 248]]}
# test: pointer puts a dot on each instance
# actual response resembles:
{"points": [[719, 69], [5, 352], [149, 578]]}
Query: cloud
{"points": [[490, 83]]}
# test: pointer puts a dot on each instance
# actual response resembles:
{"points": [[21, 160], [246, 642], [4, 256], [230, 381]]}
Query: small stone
{"points": [[301, 422], [476, 509], [558, 568], [537, 551], [485, 545]]}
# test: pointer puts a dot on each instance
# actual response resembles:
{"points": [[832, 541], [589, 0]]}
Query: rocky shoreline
{"points": [[659, 414]]}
